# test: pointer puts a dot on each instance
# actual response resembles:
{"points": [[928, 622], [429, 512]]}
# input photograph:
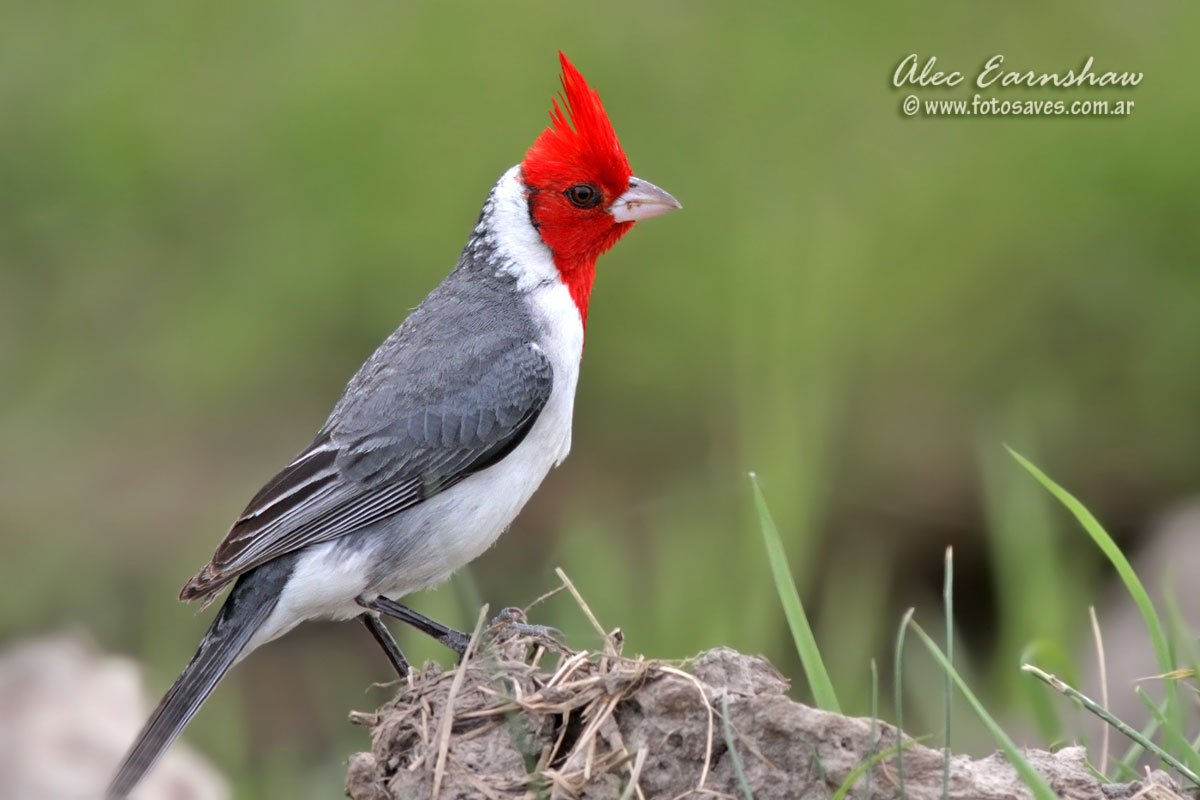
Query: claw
{"points": [[513, 619], [509, 614]]}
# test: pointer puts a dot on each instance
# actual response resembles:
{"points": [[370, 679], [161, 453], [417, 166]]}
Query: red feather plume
{"points": [[590, 147]]}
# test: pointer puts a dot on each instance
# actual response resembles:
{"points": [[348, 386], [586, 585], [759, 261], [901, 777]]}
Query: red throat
{"points": [[579, 147], [579, 280], [578, 277], [576, 247]]}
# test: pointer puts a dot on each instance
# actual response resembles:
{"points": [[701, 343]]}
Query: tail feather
{"points": [[249, 604]]}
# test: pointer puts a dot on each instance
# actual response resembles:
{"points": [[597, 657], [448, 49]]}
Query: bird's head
{"points": [[582, 195]]}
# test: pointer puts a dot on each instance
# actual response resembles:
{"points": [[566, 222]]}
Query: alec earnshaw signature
{"points": [[911, 72]]}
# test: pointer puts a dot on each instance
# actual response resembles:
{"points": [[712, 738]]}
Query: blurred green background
{"points": [[210, 215]]}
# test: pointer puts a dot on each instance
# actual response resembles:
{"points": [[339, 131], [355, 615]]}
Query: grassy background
{"points": [[210, 215]]}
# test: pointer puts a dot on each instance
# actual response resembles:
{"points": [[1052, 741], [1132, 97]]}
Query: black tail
{"points": [[249, 604]]}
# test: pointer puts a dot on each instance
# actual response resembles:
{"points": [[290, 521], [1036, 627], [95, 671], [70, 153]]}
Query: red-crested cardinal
{"points": [[442, 435]]}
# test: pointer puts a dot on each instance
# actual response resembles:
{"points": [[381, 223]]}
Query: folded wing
{"points": [[392, 445]]}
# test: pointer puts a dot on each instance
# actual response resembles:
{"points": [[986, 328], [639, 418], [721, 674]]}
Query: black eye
{"points": [[583, 195]]}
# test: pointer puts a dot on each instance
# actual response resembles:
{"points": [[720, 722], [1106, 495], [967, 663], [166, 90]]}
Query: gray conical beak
{"points": [[642, 200]]}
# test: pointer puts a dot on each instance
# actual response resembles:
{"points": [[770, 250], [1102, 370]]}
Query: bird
{"points": [[442, 435]]}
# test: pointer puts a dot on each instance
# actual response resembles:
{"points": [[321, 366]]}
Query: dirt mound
{"points": [[530, 718]]}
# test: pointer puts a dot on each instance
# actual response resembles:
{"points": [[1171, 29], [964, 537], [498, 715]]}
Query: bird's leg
{"points": [[384, 637], [509, 619], [455, 640]]}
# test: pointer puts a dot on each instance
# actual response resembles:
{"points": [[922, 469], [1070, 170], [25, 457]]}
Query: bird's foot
{"points": [[513, 619]]}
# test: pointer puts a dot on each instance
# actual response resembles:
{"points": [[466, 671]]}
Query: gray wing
{"points": [[396, 439]]}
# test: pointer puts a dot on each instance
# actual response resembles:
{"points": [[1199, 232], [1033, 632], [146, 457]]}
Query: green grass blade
{"points": [[1036, 783], [806, 643], [1036, 585], [731, 747], [898, 691], [948, 604], [1041, 704], [873, 733], [1186, 646], [1059, 685], [1175, 738], [862, 768], [1163, 652]]}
